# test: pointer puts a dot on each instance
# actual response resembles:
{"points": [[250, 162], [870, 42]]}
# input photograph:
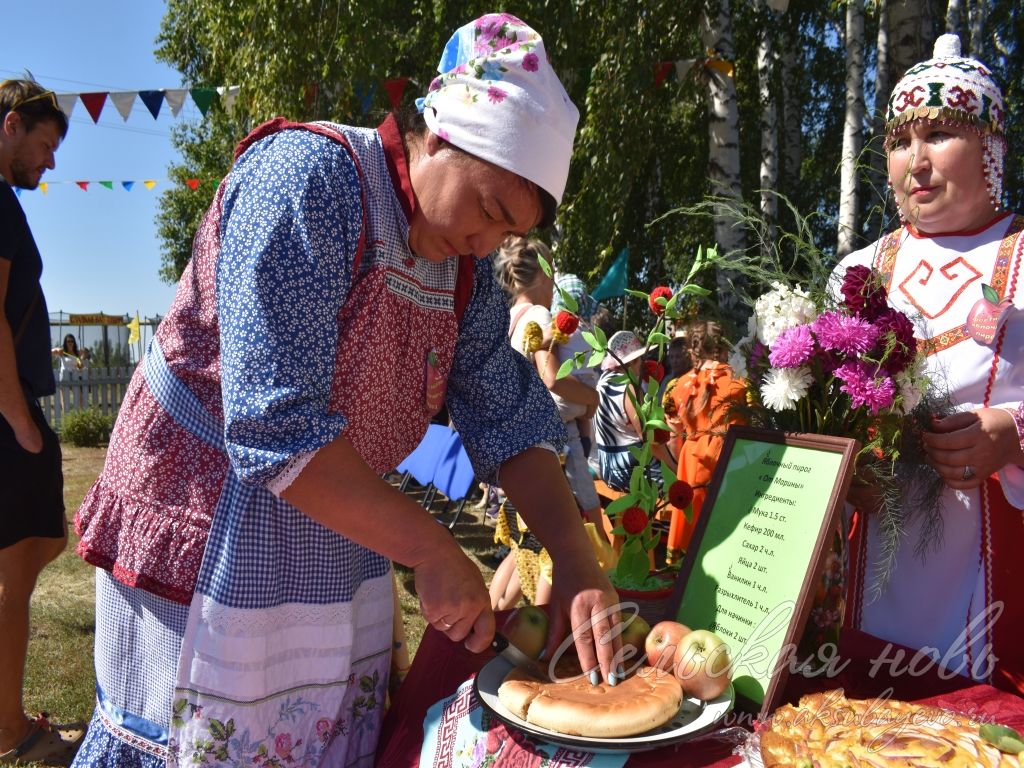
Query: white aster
{"points": [[912, 384], [781, 308], [738, 357], [782, 388]]}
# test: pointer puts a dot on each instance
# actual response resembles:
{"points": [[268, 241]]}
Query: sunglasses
{"points": [[44, 95]]}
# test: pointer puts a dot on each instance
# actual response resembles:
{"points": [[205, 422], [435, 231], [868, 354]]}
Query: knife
{"points": [[517, 658]]}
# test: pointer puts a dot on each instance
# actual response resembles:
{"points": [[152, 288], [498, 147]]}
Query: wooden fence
{"points": [[99, 388]]}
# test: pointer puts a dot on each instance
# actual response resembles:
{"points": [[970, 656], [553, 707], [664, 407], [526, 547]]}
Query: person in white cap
{"points": [[956, 593], [337, 297]]}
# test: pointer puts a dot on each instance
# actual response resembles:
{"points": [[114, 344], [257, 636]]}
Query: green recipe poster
{"points": [[759, 541]]}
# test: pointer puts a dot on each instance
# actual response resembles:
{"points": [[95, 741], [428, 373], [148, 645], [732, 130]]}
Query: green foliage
{"points": [[86, 429]]}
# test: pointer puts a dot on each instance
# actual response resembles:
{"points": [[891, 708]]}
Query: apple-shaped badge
{"points": [[987, 316], [527, 630]]}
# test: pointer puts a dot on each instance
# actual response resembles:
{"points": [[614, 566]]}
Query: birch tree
{"points": [[769, 122], [723, 141], [876, 152], [852, 127]]}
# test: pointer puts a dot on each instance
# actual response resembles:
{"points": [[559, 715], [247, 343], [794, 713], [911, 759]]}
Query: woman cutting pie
{"points": [[338, 295], [956, 593]]}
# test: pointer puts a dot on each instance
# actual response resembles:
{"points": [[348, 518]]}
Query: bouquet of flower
{"points": [[634, 513], [847, 366]]}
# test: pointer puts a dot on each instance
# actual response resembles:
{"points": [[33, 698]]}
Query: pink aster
{"points": [[496, 95], [530, 62], [842, 333], [864, 389], [793, 347]]}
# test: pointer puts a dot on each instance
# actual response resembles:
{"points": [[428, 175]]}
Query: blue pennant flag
{"points": [[614, 282], [153, 101], [127, 185]]}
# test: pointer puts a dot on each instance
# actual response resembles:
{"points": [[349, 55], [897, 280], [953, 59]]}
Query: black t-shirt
{"points": [[19, 247]]}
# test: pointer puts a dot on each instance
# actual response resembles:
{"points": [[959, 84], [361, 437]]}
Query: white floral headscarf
{"points": [[498, 98]]}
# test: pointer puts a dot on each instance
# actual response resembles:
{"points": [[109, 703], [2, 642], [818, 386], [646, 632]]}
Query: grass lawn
{"points": [[59, 674]]}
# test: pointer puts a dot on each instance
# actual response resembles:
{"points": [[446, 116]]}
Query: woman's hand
{"points": [[454, 598], [982, 441]]}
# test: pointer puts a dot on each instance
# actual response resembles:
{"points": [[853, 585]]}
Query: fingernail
{"points": [[595, 677], [543, 653], [613, 680], [621, 673]]}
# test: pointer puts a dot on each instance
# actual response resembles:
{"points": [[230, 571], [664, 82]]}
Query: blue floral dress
{"points": [[230, 628]]}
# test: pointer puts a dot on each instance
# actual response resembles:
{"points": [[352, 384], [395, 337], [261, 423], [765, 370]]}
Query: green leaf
{"points": [[989, 293], [592, 340], [217, 729], [658, 338], [619, 530], [620, 504], [568, 300], [639, 294], [657, 424], [633, 561], [544, 265], [602, 340], [695, 290], [667, 474], [1002, 738], [619, 378], [595, 358], [565, 368], [635, 478]]}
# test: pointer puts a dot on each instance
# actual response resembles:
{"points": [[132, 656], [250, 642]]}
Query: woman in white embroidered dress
{"points": [[339, 293], [959, 600]]}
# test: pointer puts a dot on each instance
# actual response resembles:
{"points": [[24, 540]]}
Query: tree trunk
{"points": [[876, 148], [723, 136], [769, 127], [852, 127], [953, 15], [910, 35], [792, 114]]}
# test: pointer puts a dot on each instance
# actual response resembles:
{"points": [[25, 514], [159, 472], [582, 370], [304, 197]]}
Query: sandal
{"points": [[46, 743]]}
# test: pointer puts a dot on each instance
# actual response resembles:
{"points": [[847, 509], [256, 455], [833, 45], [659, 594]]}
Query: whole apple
{"points": [[634, 634], [702, 664], [527, 630], [662, 642]]}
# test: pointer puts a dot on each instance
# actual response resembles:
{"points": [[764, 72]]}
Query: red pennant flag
{"points": [[395, 88], [192, 183], [661, 70], [311, 91], [83, 184], [94, 103]]}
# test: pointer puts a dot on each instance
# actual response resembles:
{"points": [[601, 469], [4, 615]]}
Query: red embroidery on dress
{"points": [[955, 281]]}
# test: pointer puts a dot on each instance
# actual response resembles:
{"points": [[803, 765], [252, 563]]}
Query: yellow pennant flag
{"points": [[149, 183], [133, 329], [43, 186]]}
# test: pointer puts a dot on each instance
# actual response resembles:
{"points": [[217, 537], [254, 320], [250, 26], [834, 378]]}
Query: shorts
{"points": [[577, 470], [33, 486]]}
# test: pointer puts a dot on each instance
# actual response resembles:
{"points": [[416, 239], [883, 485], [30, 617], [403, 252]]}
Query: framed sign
{"points": [[759, 549]]}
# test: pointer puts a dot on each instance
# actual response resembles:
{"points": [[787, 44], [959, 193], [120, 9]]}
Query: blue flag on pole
{"points": [[614, 282]]}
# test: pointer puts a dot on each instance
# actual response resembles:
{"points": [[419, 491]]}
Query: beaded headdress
{"points": [[953, 89]]}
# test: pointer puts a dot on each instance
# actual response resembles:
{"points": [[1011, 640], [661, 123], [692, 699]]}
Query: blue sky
{"points": [[99, 247]]}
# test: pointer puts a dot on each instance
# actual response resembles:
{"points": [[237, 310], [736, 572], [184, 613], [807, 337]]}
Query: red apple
{"points": [[527, 630], [662, 642], [635, 633], [702, 664]]}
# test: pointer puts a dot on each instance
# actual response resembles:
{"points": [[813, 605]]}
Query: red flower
{"points": [[634, 520], [680, 494], [653, 370], [661, 292], [566, 322]]}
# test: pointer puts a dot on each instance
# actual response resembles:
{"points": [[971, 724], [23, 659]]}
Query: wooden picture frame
{"points": [[763, 535]]}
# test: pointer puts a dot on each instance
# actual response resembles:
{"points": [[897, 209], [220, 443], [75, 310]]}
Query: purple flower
{"points": [[841, 333], [864, 389], [896, 330], [758, 351], [793, 347], [863, 292], [496, 95], [530, 62]]}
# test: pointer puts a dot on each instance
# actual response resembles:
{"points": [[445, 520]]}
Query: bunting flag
{"points": [[124, 101], [364, 95], [661, 70], [107, 184], [133, 329], [192, 183], [43, 186], [126, 185], [83, 184], [149, 183], [614, 282], [395, 88]]}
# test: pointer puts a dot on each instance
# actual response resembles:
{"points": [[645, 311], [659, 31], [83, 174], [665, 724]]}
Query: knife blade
{"points": [[517, 658]]}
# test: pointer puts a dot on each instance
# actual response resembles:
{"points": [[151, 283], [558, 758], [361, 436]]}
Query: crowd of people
{"points": [[242, 533]]}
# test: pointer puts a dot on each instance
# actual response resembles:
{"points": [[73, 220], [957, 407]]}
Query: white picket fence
{"points": [[99, 388]]}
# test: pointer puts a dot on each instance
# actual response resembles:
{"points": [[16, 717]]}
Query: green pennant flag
{"points": [[614, 282], [203, 97], [107, 184]]}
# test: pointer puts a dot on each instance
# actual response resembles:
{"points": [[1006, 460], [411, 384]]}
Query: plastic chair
{"points": [[454, 477], [421, 464]]}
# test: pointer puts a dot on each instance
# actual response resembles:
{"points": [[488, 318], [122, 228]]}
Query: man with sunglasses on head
{"points": [[33, 530]]}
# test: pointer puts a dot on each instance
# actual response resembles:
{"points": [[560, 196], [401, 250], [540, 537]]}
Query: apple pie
{"points": [[827, 729], [643, 701]]}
